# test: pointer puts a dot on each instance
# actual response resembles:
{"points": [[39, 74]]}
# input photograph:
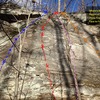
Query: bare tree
{"points": [[83, 5], [58, 5], [65, 2], [40, 1], [94, 3]]}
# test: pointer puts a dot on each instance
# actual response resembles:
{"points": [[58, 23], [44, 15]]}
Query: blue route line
{"points": [[16, 39]]}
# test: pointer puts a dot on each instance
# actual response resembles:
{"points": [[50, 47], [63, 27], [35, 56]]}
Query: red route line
{"points": [[42, 46]]}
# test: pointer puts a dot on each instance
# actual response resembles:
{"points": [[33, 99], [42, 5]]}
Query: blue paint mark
{"points": [[27, 26], [35, 21], [23, 30], [8, 53], [10, 49], [45, 11], [15, 39], [4, 61], [12, 46], [7, 56], [14, 42], [18, 36]]}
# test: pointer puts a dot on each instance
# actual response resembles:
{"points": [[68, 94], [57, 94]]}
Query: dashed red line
{"points": [[42, 46]]}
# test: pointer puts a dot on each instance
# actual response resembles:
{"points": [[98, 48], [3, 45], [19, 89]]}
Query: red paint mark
{"points": [[47, 66], [55, 13], [42, 46], [50, 83], [53, 95], [42, 34], [42, 27]]}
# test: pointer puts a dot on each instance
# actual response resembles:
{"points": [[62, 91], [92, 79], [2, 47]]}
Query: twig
{"points": [[10, 38]]}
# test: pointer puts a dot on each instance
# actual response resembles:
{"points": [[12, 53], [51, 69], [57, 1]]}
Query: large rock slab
{"points": [[33, 77]]}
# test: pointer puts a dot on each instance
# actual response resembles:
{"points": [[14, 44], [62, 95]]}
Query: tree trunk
{"points": [[94, 3], [40, 1], [65, 1], [83, 6], [58, 5]]}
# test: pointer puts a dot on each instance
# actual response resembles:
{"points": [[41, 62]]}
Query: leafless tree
{"points": [[59, 5]]}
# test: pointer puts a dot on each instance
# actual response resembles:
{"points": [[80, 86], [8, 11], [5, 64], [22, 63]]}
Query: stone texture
{"points": [[33, 79]]}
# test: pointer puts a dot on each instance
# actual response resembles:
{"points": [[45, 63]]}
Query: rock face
{"points": [[65, 48]]}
